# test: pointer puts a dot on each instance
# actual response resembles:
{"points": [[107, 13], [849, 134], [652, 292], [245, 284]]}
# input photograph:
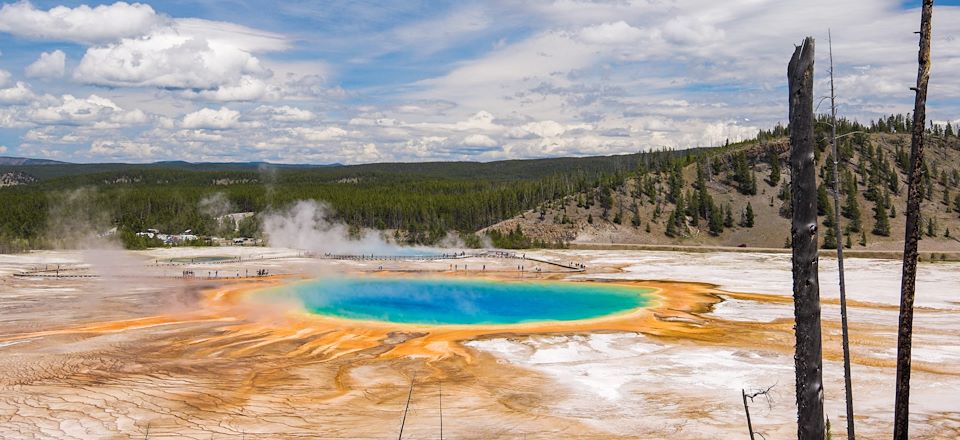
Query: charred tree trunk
{"points": [[847, 380], [901, 416], [806, 288]]}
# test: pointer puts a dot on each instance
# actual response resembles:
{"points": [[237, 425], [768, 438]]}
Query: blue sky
{"points": [[364, 81]]}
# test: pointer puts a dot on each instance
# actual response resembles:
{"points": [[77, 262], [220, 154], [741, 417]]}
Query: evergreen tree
{"points": [[849, 243], [681, 207], [728, 218], [828, 168], [893, 211], [748, 217], [863, 238], [774, 159], [703, 197], [606, 199], [693, 208], [893, 182], [786, 209], [590, 218], [743, 175], [635, 220], [881, 224], [675, 183], [872, 193], [931, 227], [672, 225], [823, 201], [716, 222], [829, 239], [647, 228], [851, 210]]}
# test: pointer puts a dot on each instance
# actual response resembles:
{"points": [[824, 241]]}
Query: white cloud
{"points": [[285, 113], [20, 93], [247, 88], [133, 46], [3, 149], [220, 32], [551, 129], [82, 24], [167, 59], [49, 65], [124, 149], [93, 110], [319, 135], [610, 33], [479, 140], [691, 31], [208, 118], [583, 77]]}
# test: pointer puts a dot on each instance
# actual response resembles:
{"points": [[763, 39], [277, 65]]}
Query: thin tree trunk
{"points": [[847, 381], [746, 409], [806, 289], [901, 416]]}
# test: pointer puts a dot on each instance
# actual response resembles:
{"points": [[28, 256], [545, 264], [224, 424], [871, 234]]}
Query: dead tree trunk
{"points": [[901, 416], [806, 289], [746, 409], [847, 380]]}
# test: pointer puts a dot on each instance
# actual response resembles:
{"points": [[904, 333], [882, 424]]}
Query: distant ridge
{"points": [[496, 170], [16, 161], [26, 161]]}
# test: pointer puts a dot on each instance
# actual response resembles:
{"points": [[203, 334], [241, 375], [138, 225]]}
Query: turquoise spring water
{"points": [[463, 301]]}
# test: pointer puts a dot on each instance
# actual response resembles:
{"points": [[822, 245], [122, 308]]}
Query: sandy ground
{"points": [[137, 352]]}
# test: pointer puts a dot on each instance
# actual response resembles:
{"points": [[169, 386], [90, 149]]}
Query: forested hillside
{"points": [[419, 202], [739, 195], [734, 195]]}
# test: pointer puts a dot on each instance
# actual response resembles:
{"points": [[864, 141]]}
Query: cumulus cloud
{"points": [[208, 118], [611, 33], [123, 149], [479, 140], [133, 46], [319, 135], [168, 59], [582, 78], [82, 24], [49, 65], [285, 113], [247, 88], [20, 93], [92, 110], [550, 129]]}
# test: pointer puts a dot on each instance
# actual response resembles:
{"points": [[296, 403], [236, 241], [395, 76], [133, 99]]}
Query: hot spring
{"points": [[435, 301]]}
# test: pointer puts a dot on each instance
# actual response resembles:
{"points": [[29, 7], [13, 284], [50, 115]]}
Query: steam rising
{"points": [[309, 225], [75, 221], [215, 205]]}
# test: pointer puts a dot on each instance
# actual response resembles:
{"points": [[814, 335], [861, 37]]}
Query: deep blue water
{"points": [[463, 301]]}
